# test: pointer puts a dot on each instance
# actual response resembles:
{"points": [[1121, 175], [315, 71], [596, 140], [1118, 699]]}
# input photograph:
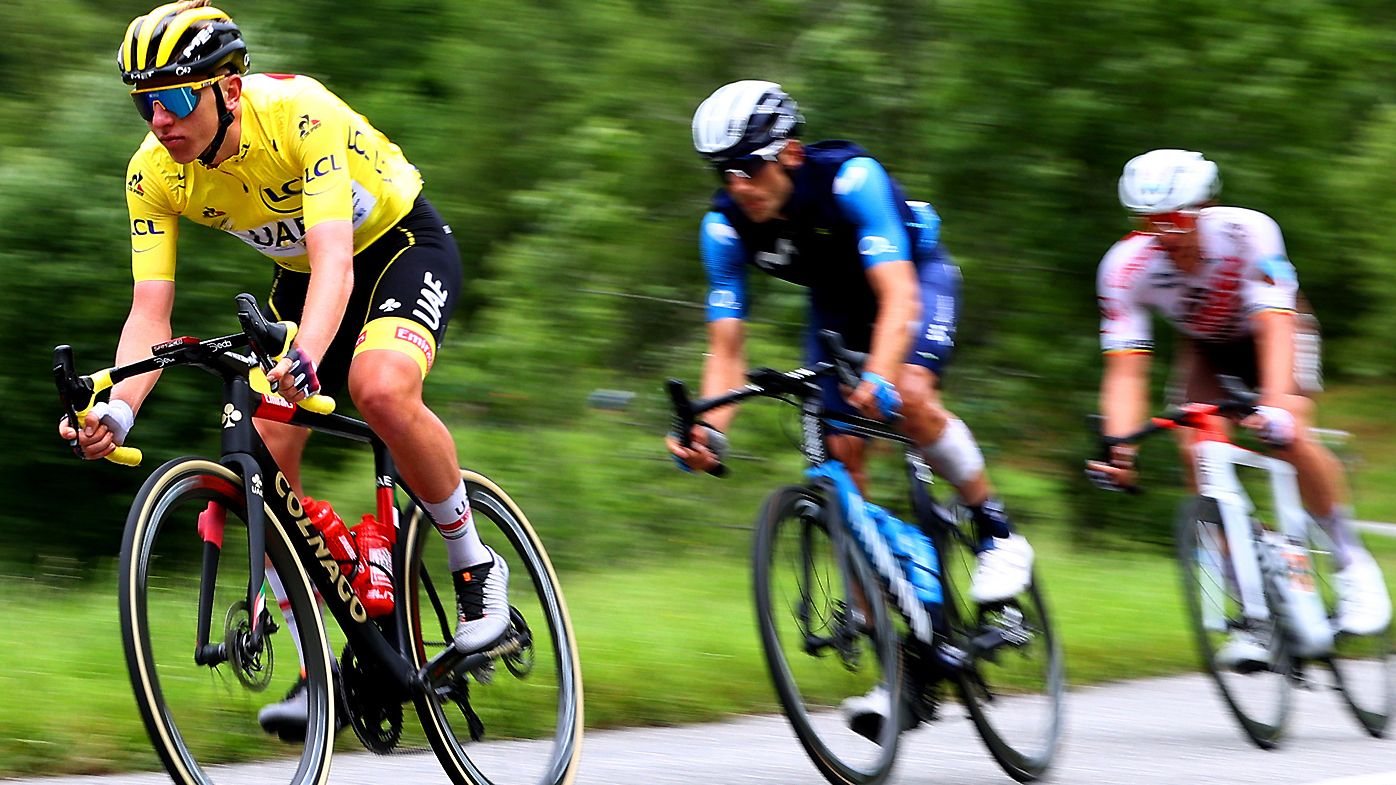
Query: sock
{"points": [[279, 590], [455, 522], [1339, 528], [990, 522]]}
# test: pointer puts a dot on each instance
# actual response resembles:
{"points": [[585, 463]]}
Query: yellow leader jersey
{"points": [[305, 157]]}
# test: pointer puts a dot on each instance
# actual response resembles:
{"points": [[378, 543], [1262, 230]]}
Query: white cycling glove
{"points": [[1278, 427], [117, 416]]}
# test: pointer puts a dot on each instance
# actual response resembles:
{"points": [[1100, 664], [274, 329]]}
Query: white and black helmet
{"points": [[1162, 181], [750, 117]]}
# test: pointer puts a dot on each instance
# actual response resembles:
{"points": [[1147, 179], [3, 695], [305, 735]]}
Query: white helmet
{"points": [[750, 117], [1162, 181]]}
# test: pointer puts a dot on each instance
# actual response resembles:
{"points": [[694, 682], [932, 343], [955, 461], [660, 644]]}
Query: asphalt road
{"points": [[1152, 732]]}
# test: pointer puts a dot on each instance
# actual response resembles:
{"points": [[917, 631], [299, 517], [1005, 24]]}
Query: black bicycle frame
{"points": [[245, 454]]}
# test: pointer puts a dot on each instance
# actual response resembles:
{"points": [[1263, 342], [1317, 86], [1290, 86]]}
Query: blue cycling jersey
{"points": [[844, 215]]}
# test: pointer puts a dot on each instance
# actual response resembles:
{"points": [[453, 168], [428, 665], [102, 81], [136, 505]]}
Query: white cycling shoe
{"points": [[866, 713], [1004, 571], [1364, 607], [1243, 653], [288, 717], [482, 604]]}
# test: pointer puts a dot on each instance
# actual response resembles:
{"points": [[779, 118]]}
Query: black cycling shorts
{"points": [[405, 288]]}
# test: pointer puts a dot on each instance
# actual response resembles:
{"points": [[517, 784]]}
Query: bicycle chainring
{"points": [[374, 710], [252, 664]]}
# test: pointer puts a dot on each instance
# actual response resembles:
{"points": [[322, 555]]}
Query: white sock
{"points": [[1340, 529], [279, 592], [455, 522]]}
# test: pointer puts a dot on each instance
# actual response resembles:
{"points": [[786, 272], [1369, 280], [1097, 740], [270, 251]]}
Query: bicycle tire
{"points": [[1014, 685], [1260, 700], [800, 517], [520, 692], [184, 737], [1363, 666]]}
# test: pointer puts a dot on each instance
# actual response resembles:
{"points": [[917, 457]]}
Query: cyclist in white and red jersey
{"points": [[363, 262], [1221, 276]]}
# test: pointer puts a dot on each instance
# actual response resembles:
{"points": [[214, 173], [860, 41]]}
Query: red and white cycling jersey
{"points": [[1243, 271]]}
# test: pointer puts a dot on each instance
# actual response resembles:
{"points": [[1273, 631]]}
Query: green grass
{"points": [[1365, 412], [668, 643], [667, 632]]}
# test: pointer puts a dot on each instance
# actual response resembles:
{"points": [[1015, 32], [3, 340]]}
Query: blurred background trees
{"points": [[553, 134]]}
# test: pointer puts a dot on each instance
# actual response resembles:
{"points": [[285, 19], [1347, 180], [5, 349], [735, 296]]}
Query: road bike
{"points": [[199, 637], [1268, 577], [841, 612]]}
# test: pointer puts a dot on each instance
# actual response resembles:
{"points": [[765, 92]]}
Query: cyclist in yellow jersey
{"points": [[363, 262]]}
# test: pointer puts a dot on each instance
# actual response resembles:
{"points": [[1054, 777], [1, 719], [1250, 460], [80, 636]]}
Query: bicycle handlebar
{"points": [[846, 364], [73, 388], [1239, 402], [271, 342], [268, 342]]}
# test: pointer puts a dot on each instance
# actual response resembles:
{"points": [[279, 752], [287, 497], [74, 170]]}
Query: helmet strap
{"points": [[225, 121]]}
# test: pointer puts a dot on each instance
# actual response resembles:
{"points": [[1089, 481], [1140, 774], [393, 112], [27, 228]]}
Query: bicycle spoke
{"points": [[805, 610], [516, 721], [1255, 688]]}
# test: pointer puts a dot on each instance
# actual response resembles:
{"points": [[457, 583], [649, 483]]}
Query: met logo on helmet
{"points": [[199, 40]]}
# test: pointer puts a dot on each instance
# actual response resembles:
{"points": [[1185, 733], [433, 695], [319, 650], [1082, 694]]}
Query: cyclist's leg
{"points": [[1005, 559], [415, 287], [1364, 604]]}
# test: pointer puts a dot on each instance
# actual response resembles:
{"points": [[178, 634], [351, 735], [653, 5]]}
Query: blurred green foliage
{"points": [[553, 134]]}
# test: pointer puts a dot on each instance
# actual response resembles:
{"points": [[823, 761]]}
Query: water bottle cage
{"points": [[884, 551]]}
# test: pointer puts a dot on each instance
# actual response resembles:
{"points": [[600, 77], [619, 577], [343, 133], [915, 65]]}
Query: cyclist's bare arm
{"points": [[1124, 400], [898, 306], [148, 324], [330, 248], [1274, 347], [1124, 391], [724, 367], [152, 303]]}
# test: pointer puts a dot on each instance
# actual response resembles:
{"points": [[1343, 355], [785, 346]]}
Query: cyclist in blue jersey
{"points": [[827, 216]]}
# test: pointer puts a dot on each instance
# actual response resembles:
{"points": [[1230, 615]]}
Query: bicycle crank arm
{"points": [[443, 669]]}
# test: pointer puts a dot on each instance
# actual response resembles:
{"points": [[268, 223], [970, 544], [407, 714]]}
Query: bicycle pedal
{"points": [[953, 657]]}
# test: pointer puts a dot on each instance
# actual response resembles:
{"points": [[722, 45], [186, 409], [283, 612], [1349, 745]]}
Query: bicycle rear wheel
{"points": [[1259, 697], [826, 633], [1363, 666], [1014, 683], [533, 697], [198, 716]]}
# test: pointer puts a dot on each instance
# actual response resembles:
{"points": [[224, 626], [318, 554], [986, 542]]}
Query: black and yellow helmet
{"points": [[181, 39]]}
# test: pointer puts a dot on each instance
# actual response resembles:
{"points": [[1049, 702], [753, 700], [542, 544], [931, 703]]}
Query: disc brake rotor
{"points": [[251, 663]]}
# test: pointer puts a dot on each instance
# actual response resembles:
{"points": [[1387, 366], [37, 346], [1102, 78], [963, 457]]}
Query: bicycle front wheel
{"points": [[532, 693], [828, 637], [1255, 688], [201, 715], [1364, 666], [1014, 682]]}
